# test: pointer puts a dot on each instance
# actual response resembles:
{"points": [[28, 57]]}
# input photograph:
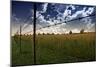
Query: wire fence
{"points": [[33, 23]]}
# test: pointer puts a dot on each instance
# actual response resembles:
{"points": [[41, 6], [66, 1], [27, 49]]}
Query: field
{"points": [[50, 49]]}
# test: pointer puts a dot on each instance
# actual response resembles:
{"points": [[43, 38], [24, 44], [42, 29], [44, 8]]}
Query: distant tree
{"points": [[70, 32], [23, 34], [47, 33], [26, 34], [43, 33], [38, 33], [16, 37], [52, 33], [81, 31], [29, 34]]}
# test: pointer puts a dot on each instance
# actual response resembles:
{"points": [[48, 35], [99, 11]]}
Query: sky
{"points": [[49, 14]]}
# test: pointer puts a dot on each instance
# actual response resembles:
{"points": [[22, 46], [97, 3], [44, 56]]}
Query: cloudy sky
{"points": [[49, 14]]}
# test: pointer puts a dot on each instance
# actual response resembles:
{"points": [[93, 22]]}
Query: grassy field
{"points": [[54, 49]]}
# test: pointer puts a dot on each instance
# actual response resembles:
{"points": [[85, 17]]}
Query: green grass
{"points": [[55, 49]]}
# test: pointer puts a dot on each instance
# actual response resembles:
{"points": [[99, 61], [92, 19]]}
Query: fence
{"points": [[33, 31]]}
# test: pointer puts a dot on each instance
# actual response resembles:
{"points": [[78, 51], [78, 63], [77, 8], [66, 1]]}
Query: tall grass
{"points": [[55, 49]]}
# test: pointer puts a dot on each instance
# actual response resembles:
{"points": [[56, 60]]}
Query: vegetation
{"points": [[70, 32], [54, 49], [81, 31]]}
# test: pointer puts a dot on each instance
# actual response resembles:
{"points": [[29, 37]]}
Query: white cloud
{"points": [[66, 13], [77, 14], [45, 7], [90, 10], [75, 30], [90, 25], [40, 18], [83, 13], [71, 6], [86, 24]]}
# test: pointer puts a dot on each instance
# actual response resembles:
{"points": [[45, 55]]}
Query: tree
{"points": [[43, 33], [81, 31], [16, 37], [39, 34], [70, 32], [47, 33], [52, 33]]}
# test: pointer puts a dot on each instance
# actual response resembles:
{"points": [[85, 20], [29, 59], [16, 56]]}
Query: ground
{"points": [[64, 48]]}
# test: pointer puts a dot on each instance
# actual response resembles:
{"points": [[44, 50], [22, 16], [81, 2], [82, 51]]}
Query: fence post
{"points": [[20, 39], [34, 33]]}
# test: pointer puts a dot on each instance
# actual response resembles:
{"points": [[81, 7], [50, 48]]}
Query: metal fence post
{"points": [[20, 38], [34, 33]]}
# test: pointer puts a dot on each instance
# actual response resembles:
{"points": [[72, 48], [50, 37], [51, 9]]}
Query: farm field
{"points": [[50, 49]]}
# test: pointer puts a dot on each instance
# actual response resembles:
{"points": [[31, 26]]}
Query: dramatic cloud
{"points": [[66, 13], [83, 13], [48, 14], [75, 26]]}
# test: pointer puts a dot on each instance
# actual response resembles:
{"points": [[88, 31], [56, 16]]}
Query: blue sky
{"points": [[51, 13]]}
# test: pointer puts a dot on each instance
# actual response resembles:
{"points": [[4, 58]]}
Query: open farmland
{"points": [[63, 48]]}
